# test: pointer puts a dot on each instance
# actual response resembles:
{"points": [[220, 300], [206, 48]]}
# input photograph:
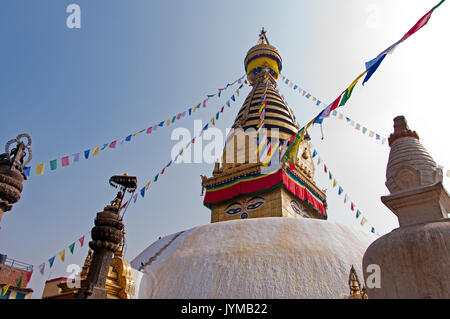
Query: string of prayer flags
{"points": [[372, 65], [346, 197], [192, 141], [65, 160], [301, 91]]}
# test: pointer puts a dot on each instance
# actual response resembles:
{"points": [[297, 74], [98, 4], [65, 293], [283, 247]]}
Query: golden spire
{"points": [[262, 37]]}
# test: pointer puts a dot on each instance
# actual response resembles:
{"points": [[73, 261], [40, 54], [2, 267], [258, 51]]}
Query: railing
{"points": [[18, 264]]}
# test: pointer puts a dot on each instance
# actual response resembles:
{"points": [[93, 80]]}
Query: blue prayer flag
{"points": [[340, 190], [143, 191], [26, 170], [372, 66], [86, 154]]}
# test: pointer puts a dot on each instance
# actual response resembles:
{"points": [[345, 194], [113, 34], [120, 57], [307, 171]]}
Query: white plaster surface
{"points": [[254, 258]]}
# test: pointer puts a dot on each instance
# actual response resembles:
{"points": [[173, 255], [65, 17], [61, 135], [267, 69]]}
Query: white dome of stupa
{"points": [[272, 257]]}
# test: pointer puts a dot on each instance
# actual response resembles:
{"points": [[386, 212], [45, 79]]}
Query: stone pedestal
{"points": [[106, 237]]}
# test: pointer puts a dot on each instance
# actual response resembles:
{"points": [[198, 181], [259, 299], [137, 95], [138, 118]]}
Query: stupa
{"points": [[268, 236]]}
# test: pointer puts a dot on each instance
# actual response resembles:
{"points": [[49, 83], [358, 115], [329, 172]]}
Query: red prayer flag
{"points": [[65, 161], [29, 275], [352, 206], [325, 168], [422, 21], [204, 103], [162, 172], [81, 240], [149, 130], [113, 144]]}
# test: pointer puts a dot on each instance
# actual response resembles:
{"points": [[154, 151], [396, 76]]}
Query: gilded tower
{"points": [[250, 181]]}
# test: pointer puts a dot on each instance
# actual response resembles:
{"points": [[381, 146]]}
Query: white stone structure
{"points": [[253, 258], [414, 259]]}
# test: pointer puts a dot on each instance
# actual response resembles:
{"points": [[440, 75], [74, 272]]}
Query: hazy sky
{"points": [[135, 63]]}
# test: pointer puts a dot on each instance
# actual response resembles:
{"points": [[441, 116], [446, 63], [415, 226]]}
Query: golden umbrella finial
{"points": [[263, 37]]}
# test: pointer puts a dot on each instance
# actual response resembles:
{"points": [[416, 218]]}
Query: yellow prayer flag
{"points": [[95, 153], [62, 255], [340, 116], [270, 155], [213, 122], [291, 84], [168, 122], [5, 289], [334, 183], [237, 92], [148, 185], [363, 221], [40, 169]]}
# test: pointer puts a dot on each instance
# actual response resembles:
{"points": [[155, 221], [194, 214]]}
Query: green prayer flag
{"points": [[71, 247], [156, 177], [217, 115], [19, 282], [329, 174], [346, 95], [358, 213], [53, 164]]}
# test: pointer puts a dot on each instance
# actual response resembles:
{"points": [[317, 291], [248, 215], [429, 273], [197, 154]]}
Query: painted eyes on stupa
{"points": [[233, 210], [237, 207], [296, 208]]}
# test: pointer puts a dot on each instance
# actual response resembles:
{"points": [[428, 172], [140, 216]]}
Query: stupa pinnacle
{"points": [[240, 187]]}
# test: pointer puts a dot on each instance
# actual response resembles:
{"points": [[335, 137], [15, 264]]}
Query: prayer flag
{"points": [[5, 289], [143, 191], [128, 138], [364, 130], [76, 157], [96, 150], [149, 130], [62, 255], [340, 190], [65, 161], [81, 240], [53, 165], [156, 177], [113, 144], [372, 66], [51, 260], [71, 247], [40, 169], [352, 206], [232, 97], [27, 170], [86, 154], [19, 282], [42, 268], [314, 153], [104, 146], [135, 198], [334, 183], [363, 221], [358, 213], [326, 112], [349, 90]]}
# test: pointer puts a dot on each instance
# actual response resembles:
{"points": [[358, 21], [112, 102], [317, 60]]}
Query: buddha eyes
{"points": [[255, 205], [233, 211]]}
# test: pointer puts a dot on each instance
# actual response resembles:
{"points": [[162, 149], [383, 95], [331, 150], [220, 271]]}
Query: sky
{"points": [[135, 63]]}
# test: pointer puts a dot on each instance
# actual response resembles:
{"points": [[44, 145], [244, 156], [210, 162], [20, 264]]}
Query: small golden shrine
{"points": [[240, 186], [356, 291]]}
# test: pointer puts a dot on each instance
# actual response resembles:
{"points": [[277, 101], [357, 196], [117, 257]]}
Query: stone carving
{"points": [[12, 163]]}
